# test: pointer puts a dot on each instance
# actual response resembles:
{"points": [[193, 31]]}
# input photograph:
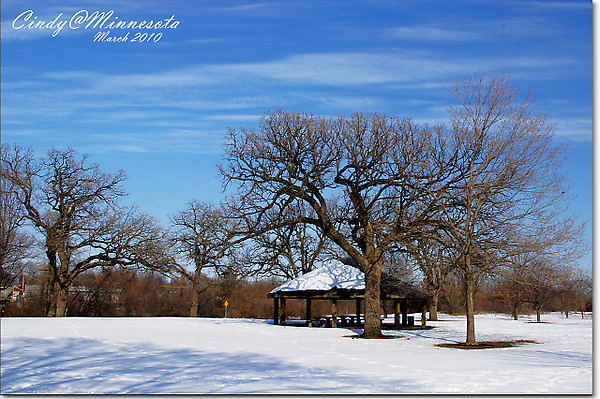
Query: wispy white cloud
{"points": [[126, 148], [160, 140], [230, 117], [521, 28], [563, 4], [170, 104], [494, 29], [206, 40], [250, 85], [243, 7], [345, 69], [431, 33], [575, 128], [330, 69]]}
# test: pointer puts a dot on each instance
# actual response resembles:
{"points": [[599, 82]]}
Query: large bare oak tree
{"points": [[368, 182], [75, 207]]}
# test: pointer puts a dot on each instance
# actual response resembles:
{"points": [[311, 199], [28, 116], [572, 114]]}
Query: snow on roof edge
{"points": [[333, 274]]}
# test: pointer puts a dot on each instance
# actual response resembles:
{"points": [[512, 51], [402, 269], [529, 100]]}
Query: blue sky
{"points": [[160, 109]]}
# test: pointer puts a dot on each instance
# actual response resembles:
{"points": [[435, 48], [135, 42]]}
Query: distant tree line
{"points": [[134, 293], [473, 205]]}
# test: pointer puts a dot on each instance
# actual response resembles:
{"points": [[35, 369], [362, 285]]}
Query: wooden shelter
{"points": [[336, 281]]}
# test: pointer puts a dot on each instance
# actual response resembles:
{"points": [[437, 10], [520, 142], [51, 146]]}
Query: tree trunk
{"points": [[538, 313], [51, 308], [195, 301], [61, 281], [469, 291], [58, 300], [61, 302], [516, 312], [196, 288], [433, 305], [372, 327]]}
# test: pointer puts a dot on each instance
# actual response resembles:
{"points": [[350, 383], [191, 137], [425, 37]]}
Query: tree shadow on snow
{"points": [[83, 365], [488, 344]]}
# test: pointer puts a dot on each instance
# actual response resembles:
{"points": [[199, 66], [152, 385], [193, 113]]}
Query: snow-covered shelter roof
{"points": [[336, 279], [331, 275]]}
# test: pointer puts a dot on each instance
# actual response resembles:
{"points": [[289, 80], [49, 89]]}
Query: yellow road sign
{"points": [[226, 303]]}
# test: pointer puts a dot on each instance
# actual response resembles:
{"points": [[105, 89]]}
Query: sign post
{"points": [[226, 304]]}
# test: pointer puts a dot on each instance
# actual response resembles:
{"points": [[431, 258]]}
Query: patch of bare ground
{"points": [[406, 328], [380, 337], [488, 344]]}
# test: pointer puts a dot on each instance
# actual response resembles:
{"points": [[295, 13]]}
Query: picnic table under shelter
{"points": [[335, 281]]}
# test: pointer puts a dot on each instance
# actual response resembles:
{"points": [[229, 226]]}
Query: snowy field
{"points": [[199, 356]]}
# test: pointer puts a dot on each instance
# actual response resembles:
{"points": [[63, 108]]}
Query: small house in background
{"points": [[336, 281], [12, 294]]}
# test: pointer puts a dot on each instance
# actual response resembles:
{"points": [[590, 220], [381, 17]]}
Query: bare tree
{"points": [[435, 256], [511, 288], [573, 289], [205, 235], [16, 245], [583, 291], [396, 265], [74, 206], [368, 181], [543, 279], [289, 250], [509, 188]]}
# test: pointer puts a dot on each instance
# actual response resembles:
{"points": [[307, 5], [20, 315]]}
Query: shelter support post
{"points": [[334, 313], [404, 305], [282, 312], [397, 314], [358, 311], [308, 311], [275, 311]]}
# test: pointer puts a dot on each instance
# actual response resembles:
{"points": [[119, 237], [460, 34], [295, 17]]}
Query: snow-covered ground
{"points": [[185, 355]]}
